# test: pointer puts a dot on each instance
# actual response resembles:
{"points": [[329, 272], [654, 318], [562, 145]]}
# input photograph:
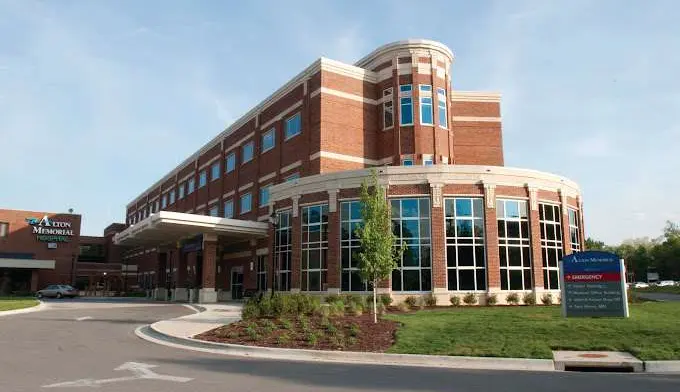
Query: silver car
{"points": [[57, 291]]}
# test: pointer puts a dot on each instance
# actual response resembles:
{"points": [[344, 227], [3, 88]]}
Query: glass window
{"points": [[246, 202], [283, 251], [215, 171], [230, 164], [190, 185], [268, 140], [229, 208], [247, 152], [180, 188], [411, 226], [405, 105], [261, 273], [264, 196], [465, 255], [172, 196], [551, 244], [513, 244], [441, 108], [388, 109], [293, 177], [407, 162], [202, 178], [426, 117], [293, 125], [4, 229], [574, 230], [405, 88], [214, 211], [350, 244], [164, 201], [427, 160], [314, 247]]}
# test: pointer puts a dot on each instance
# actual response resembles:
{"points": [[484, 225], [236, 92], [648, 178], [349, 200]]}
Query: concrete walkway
{"points": [[209, 316]]}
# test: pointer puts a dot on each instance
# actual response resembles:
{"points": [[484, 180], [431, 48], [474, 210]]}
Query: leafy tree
{"points": [[593, 244], [378, 244]]}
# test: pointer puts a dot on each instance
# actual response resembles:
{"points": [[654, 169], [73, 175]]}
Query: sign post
{"points": [[593, 284]]}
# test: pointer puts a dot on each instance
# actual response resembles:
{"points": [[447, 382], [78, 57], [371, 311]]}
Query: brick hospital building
{"points": [[273, 199]]}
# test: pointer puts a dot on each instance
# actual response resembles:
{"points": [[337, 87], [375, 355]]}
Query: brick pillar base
{"points": [[209, 262], [34, 280]]}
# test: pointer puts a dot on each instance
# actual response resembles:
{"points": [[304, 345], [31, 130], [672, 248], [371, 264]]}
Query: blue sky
{"points": [[98, 99]]}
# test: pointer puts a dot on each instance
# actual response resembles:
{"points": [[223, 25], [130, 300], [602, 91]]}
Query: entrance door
{"points": [[237, 283]]}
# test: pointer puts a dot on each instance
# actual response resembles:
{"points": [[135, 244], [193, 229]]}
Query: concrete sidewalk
{"points": [[208, 316]]}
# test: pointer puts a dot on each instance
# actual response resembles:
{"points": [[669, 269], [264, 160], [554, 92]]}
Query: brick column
{"points": [[178, 268], [566, 238], [333, 255], [493, 262], [296, 242], [207, 294], [34, 280], [271, 262], [535, 232], [385, 286], [439, 278], [581, 225]]}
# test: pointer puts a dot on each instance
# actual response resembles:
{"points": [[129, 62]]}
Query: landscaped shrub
{"points": [[491, 299], [354, 329], [283, 339], [547, 299], [356, 309], [251, 332], [470, 299], [324, 310], [512, 298], [250, 310], [286, 324], [381, 308], [353, 299], [403, 307], [431, 300], [311, 338], [411, 301], [455, 300], [337, 308], [331, 329], [333, 298], [386, 299], [529, 299]]}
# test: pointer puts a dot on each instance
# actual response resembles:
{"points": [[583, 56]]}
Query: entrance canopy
{"points": [[170, 227], [27, 263]]}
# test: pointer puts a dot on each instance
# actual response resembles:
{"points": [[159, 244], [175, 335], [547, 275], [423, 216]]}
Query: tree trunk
{"points": [[375, 302]]}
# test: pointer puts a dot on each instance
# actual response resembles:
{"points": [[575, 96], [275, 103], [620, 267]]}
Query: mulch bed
{"points": [[334, 333]]}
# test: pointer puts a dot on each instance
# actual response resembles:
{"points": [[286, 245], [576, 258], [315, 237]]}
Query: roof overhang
{"points": [[27, 263], [167, 227]]}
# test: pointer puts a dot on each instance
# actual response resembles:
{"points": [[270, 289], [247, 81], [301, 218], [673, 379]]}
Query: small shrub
{"points": [[351, 341], [333, 298], [325, 322], [381, 308], [324, 310], [231, 335], [411, 301], [311, 338], [354, 330], [356, 309], [286, 324], [250, 310], [455, 300], [547, 299], [529, 299], [470, 299], [283, 339], [337, 308], [491, 300], [356, 299], [331, 329], [512, 298], [337, 340], [403, 307], [252, 333], [267, 327], [431, 300], [386, 299]]}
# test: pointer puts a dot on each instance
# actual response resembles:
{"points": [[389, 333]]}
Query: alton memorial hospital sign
{"points": [[49, 230]]}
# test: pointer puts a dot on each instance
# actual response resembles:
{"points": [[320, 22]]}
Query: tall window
{"points": [[465, 259], [441, 106], [411, 225], [261, 273], [4, 229], [246, 203], [164, 201], [202, 178], [229, 208], [180, 189], [551, 244], [388, 108], [314, 247], [230, 164], [214, 211], [405, 105], [350, 221], [247, 152], [513, 244], [293, 177], [268, 140], [190, 185], [264, 195], [426, 117], [574, 230], [215, 171], [283, 251], [293, 125]]}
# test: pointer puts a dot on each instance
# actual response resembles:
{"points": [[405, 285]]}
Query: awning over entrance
{"points": [[169, 227], [27, 263]]}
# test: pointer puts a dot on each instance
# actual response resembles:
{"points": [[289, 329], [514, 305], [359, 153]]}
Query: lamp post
{"points": [[275, 265]]}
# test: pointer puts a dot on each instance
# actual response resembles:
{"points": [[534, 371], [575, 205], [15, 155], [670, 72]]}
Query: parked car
{"points": [[58, 291], [641, 285], [665, 283]]}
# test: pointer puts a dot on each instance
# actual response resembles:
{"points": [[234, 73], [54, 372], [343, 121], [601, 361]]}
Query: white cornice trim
{"points": [[240, 142], [475, 96], [376, 57], [349, 158], [290, 167], [267, 177], [244, 187], [342, 94], [475, 119]]}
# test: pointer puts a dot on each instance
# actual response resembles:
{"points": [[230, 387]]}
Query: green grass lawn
{"points": [[651, 333], [12, 303]]}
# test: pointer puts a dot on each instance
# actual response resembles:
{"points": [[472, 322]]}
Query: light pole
{"points": [[275, 259]]}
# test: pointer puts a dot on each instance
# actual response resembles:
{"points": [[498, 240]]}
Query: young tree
{"points": [[378, 244]]}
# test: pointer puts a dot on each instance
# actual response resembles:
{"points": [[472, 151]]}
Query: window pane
{"points": [[511, 209], [465, 256], [452, 281], [467, 279], [449, 207], [396, 280], [451, 256], [516, 280], [426, 280], [424, 207], [463, 207], [464, 228], [479, 228], [411, 256], [425, 256], [411, 280], [481, 279], [479, 256], [513, 229], [515, 256], [409, 208]]}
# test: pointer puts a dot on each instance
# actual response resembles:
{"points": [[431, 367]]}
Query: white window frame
{"points": [[262, 273], [272, 133], [404, 160], [216, 209], [522, 242], [428, 158], [171, 197], [309, 246], [215, 171], [458, 241], [191, 185], [229, 212], [405, 95], [164, 201], [388, 98], [441, 99], [231, 156], [250, 144], [202, 178], [574, 227], [262, 189], [550, 246], [287, 123], [243, 197], [425, 94], [180, 194]]}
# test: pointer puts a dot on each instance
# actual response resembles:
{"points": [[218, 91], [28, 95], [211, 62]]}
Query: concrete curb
{"points": [[37, 308], [437, 361], [662, 367]]}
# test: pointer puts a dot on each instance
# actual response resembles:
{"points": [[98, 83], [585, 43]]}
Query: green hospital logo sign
{"points": [[48, 230]]}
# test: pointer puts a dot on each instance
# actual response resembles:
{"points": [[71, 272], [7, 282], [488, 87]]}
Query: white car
{"points": [[640, 285], [665, 283]]}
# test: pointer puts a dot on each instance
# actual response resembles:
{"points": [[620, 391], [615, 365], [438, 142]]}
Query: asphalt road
{"points": [[660, 296], [81, 343]]}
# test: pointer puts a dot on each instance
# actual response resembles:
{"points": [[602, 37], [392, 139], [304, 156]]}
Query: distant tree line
{"points": [[661, 255]]}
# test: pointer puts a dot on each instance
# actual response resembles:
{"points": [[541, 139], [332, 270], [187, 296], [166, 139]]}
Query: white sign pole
{"points": [[563, 298], [624, 288]]}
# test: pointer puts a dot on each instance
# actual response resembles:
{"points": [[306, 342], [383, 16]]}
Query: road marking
{"points": [[84, 318], [140, 371]]}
